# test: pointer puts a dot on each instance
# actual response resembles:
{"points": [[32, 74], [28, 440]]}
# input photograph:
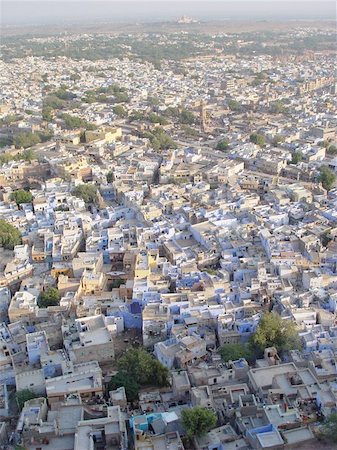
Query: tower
{"points": [[203, 117]]}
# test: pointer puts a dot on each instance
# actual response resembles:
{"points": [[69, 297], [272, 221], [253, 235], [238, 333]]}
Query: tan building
{"points": [[89, 338], [109, 135], [85, 379]]}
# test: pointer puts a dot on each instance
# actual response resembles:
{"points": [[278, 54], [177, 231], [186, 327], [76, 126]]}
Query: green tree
{"points": [[117, 283], [273, 331], [129, 383], [277, 107], [45, 135], [258, 139], [259, 78], [296, 158], [143, 368], [27, 155], [153, 101], [232, 352], [186, 117], [109, 177], [136, 115], [9, 235], [9, 119], [322, 143], [21, 196], [172, 112], [26, 139], [121, 97], [50, 297], [73, 122], [86, 192], [155, 118], [234, 105], [159, 374], [23, 396], [53, 102], [63, 94], [325, 239], [277, 139], [222, 145], [160, 140], [328, 430], [5, 142], [332, 149], [120, 111], [189, 131], [47, 113], [327, 177], [198, 421]]}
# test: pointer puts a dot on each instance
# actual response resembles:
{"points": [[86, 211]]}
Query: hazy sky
{"points": [[88, 11]]}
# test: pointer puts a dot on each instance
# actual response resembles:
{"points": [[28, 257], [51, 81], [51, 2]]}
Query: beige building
{"points": [[89, 338]]}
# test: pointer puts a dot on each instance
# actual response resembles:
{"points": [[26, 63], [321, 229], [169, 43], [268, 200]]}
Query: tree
{"points": [[328, 430], [120, 111], [232, 352], [143, 368], [257, 139], [73, 122], [323, 143], [273, 331], [277, 139], [172, 111], [9, 119], [23, 396], [63, 94], [27, 155], [5, 142], [21, 196], [117, 283], [86, 192], [189, 131], [26, 139], [53, 102], [47, 113], [296, 158], [109, 177], [234, 105], [222, 145], [9, 235], [332, 149], [136, 115], [259, 78], [198, 421], [121, 97], [50, 297], [160, 140], [153, 101], [45, 135], [277, 107], [129, 383], [160, 374], [327, 177], [155, 118], [325, 239], [186, 117]]}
